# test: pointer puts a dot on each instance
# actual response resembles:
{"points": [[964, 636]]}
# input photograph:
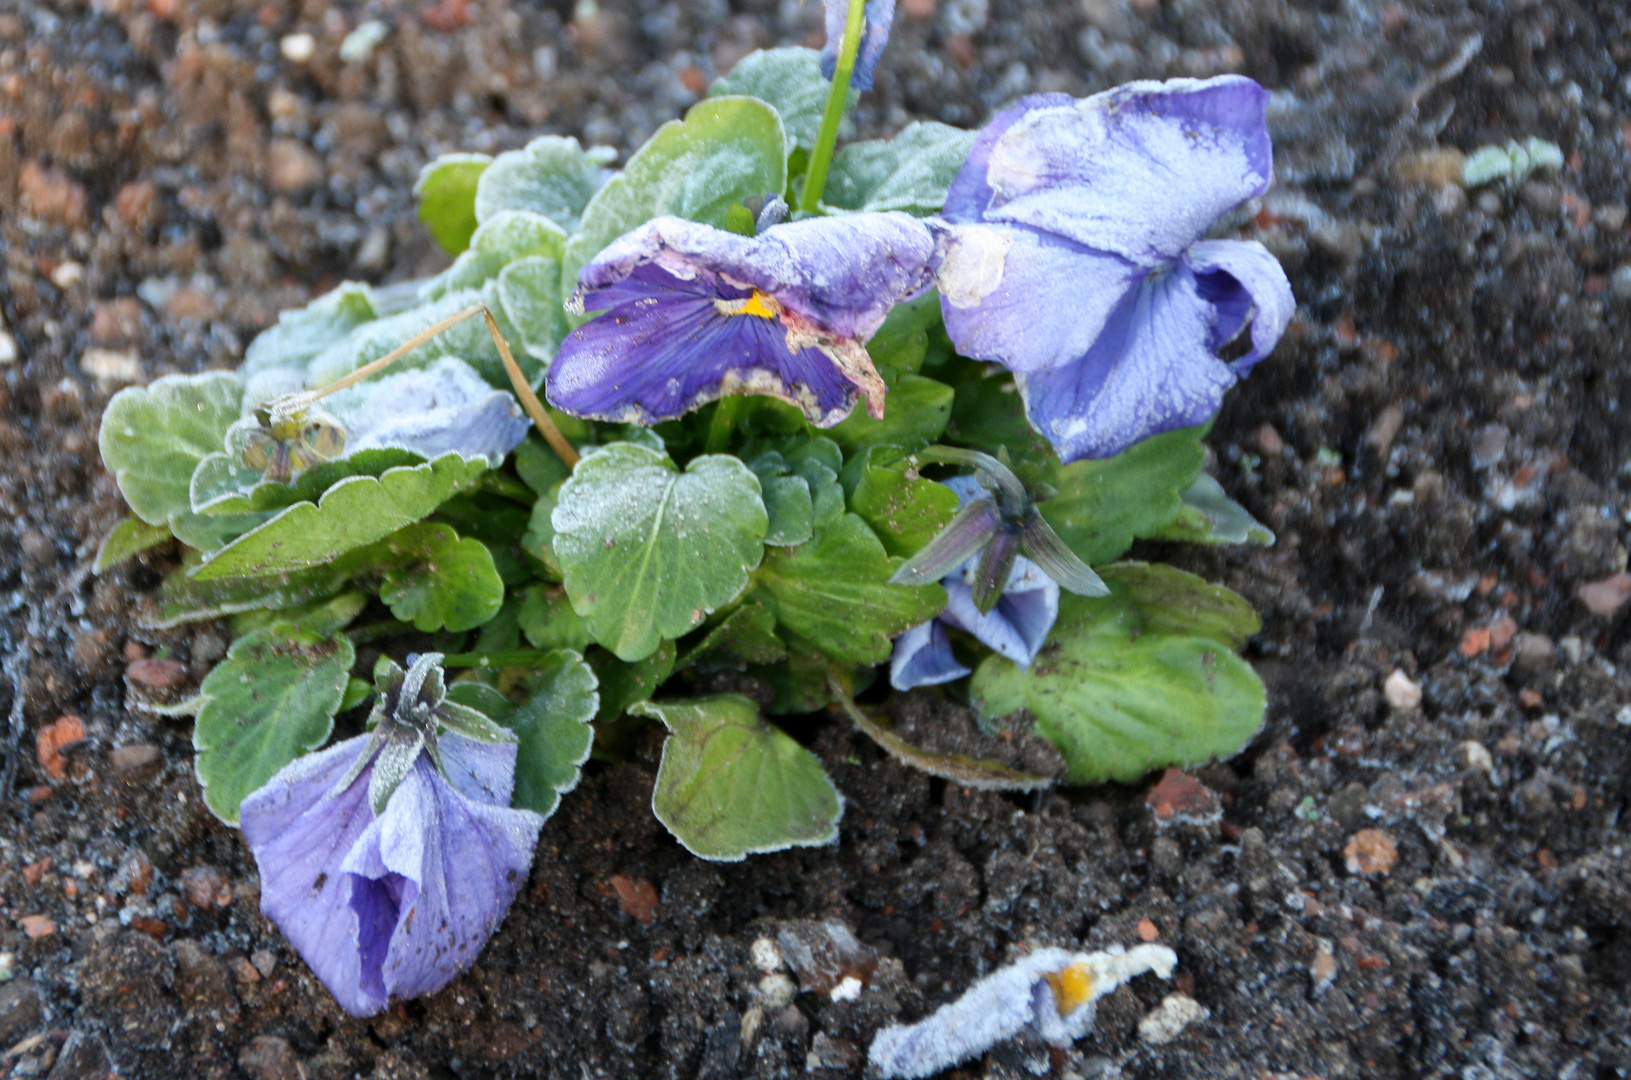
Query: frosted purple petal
{"points": [[923, 657], [874, 36]]}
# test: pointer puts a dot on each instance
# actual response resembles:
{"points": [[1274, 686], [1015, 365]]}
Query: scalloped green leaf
{"points": [[551, 175], [834, 592], [622, 685], [548, 621], [731, 785], [154, 436], [129, 538], [356, 511], [905, 510], [502, 239], [447, 198], [529, 291], [745, 636], [1144, 678], [1102, 505], [552, 726], [916, 414], [439, 580], [910, 172], [648, 551], [789, 80], [272, 699], [1209, 516], [302, 333], [727, 149]]}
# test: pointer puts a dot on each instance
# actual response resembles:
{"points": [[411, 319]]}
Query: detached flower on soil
{"points": [[1075, 257], [879, 15], [389, 859], [1016, 627], [1052, 991], [693, 313]]}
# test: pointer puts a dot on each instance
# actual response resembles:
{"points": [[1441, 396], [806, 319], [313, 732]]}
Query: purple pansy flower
{"points": [[1016, 627], [389, 859], [1074, 256], [874, 36], [692, 313]]}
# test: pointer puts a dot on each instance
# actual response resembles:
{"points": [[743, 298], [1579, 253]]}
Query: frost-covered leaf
{"points": [[745, 636], [914, 417], [548, 621], [468, 341], [1209, 516], [790, 80], [439, 580], [1103, 504], [787, 501], [502, 239], [731, 785], [529, 291], [130, 537], [154, 436], [551, 726], [622, 685], [447, 198], [551, 175], [834, 592], [182, 599], [272, 699], [302, 333], [649, 551], [906, 511], [221, 486], [356, 511], [727, 149], [910, 172], [1143, 678]]}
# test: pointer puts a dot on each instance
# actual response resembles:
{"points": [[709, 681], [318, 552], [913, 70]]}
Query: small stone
{"points": [[111, 366], [1384, 429], [1178, 798], [1434, 166], [135, 875], [848, 989], [49, 194], [37, 926], [188, 302], [54, 738], [1533, 653], [1323, 971], [1476, 756], [766, 955], [1401, 693], [1167, 1020], [292, 167], [117, 322], [1474, 641], [8, 349], [206, 887], [68, 274], [1502, 631], [1147, 930], [137, 204], [1605, 596], [1489, 446], [134, 759], [1370, 851], [830, 1052], [265, 962], [777, 991], [1269, 441], [1619, 283], [157, 674], [268, 1057], [637, 897], [298, 48], [244, 971]]}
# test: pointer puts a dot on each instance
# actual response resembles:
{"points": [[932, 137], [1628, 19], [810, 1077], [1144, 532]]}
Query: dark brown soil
{"points": [[1439, 444]]}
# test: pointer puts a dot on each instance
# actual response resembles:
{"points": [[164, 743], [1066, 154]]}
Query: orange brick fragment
{"points": [[637, 897], [1370, 851], [1147, 930], [1475, 641], [37, 926], [53, 739]]}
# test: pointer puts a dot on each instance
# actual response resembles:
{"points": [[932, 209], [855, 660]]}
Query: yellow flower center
{"points": [[1071, 987], [760, 304]]}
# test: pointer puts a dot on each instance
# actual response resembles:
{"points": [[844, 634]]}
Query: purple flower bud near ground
{"points": [[1074, 257], [389, 859], [692, 313], [874, 36]]}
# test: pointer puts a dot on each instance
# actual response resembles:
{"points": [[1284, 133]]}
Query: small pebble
{"points": [[68, 274], [134, 758], [157, 674], [637, 898], [1147, 930], [298, 48], [1605, 596], [8, 348], [37, 926], [1323, 970], [206, 887], [1370, 851], [1401, 692], [1167, 1020], [1476, 756], [1619, 283], [777, 991], [766, 955], [111, 365]]}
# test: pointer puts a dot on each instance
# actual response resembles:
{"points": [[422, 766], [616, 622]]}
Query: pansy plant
{"points": [[709, 411]]}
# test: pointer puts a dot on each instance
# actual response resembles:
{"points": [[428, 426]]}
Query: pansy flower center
{"points": [[761, 304]]}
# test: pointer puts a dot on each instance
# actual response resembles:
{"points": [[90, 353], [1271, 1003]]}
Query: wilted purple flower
{"points": [[693, 313], [1015, 627], [875, 35], [1074, 256], [389, 859]]}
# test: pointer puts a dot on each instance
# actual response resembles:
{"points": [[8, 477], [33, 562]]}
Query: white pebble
{"points": [[848, 989], [1401, 692], [766, 955], [8, 349], [1476, 756], [298, 48], [777, 991], [111, 365], [1167, 1020], [361, 41], [67, 274]]}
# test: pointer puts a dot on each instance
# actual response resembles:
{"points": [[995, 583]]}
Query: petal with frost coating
{"points": [[874, 36]]}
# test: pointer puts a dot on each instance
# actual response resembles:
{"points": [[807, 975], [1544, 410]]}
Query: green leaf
{"points": [[1209, 516], [130, 537], [910, 172], [272, 699], [648, 551], [539, 539], [439, 580], [834, 592], [499, 241], [154, 436], [356, 511], [548, 621], [302, 333], [181, 599], [727, 149], [745, 636], [914, 416], [906, 511], [447, 198], [321, 617], [217, 485], [469, 341], [539, 467], [1138, 680], [731, 785], [552, 726], [902, 342], [529, 291], [787, 501], [790, 80], [551, 175], [622, 685], [1102, 505]]}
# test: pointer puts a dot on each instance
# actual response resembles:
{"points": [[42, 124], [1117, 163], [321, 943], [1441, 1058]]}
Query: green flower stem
{"points": [[815, 178]]}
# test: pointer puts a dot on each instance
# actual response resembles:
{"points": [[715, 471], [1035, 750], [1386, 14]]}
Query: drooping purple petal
{"points": [[874, 36], [1243, 281], [1141, 171], [1018, 626], [300, 838], [1032, 300], [442, 869], [923, 657], [1152, 370]]}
